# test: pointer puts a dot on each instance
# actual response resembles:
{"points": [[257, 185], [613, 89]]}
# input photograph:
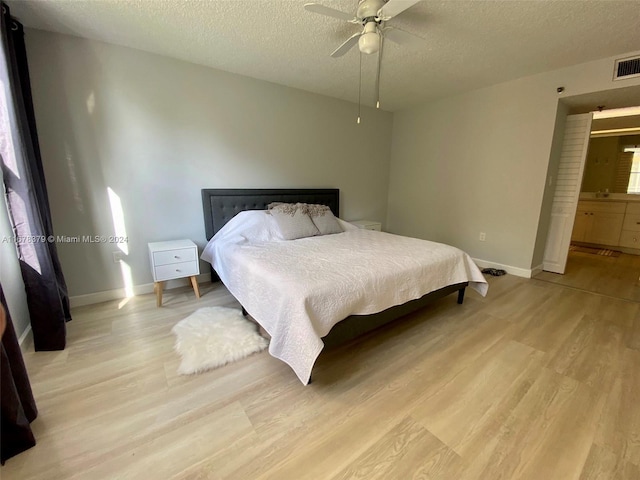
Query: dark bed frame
{"points": [[221, 205]]}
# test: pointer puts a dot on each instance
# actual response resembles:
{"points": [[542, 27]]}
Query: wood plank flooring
{"points": [[535, 381], [612, 276]]}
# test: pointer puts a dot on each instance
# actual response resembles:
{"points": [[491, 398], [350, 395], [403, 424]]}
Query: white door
{"points": [[565, 200]]}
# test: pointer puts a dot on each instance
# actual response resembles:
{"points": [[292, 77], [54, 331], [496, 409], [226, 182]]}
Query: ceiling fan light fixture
{"points": [[369, 43]]}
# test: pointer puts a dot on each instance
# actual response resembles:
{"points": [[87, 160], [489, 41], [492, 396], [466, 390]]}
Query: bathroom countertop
{"points": [[613, 197]]}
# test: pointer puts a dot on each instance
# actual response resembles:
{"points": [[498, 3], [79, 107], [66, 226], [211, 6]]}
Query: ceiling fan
{"points": [[372, 15]]}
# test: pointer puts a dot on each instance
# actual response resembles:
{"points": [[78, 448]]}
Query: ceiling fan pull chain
{"points": [[378, 74], [359, 87]]}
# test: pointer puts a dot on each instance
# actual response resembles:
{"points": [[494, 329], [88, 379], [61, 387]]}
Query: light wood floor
{"points": [[536, 381], [613, 276]]}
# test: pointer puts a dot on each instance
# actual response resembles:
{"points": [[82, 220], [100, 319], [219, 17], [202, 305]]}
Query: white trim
{"points": [[25, 339], [536, 270], [119, 293], [517, 271], [616, 112]]}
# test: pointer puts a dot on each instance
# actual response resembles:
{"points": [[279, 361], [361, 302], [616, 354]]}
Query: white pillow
{"points": [[293, 221], [323, 219]]}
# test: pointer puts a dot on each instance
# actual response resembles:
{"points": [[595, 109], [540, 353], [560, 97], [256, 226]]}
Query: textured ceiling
{"points": [[468, 44]]}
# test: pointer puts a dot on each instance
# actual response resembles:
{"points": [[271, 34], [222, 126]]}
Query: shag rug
{"points": [[214, 336]]}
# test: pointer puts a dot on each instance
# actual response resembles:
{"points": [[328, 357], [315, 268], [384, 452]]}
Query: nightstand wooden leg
{"points": [[157, 287], [194, 284]]}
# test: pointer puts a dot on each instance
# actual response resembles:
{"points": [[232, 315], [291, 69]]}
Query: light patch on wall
{"points": [[125, 269], [120, 231], [117, 215], [91, 103], [73, 178]]}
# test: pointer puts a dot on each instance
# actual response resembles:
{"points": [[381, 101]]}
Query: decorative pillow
{"points": [[323, 218], [293, 222]]}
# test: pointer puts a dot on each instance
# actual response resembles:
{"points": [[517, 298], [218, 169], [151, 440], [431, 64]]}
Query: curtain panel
{"points": [[17, 405], [26, 194]]}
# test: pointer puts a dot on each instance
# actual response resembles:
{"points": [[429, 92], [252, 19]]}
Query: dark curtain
{"points": [[17, 406], [26, 195]]}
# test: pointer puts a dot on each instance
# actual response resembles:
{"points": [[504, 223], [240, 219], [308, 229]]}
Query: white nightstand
{"points": [[171, 260], [368, 224]]}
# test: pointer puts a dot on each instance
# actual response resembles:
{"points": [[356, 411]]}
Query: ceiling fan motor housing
{"points": [[369, 8]]}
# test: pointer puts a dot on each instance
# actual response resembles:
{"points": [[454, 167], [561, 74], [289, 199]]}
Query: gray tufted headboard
{"points": [[221, 205]]}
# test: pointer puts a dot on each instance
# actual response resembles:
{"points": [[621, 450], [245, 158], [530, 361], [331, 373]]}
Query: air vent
{"points": [[626, 68]]}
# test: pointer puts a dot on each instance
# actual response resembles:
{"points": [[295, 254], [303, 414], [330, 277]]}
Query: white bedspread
{"points": [[299, 289]]}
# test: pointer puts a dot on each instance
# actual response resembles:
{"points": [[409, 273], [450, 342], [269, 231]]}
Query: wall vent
{"points": [[626, 68]]}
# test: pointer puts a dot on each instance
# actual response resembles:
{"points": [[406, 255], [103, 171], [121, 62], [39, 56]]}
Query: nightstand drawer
{"points": [[176, 270], [172, 260], [168, 257]]}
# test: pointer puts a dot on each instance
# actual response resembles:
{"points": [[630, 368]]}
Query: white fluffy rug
{"points": [[214, 336]]}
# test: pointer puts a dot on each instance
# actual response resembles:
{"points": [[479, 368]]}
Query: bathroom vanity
{"points": [[611, 221]]}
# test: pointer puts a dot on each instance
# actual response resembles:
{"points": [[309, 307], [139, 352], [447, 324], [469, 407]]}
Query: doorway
{"points": [[604, 256]]}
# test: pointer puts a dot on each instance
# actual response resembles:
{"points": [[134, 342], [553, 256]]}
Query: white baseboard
{"points": [[119, 293], [26, 338], [517, 271], [536, 270]]}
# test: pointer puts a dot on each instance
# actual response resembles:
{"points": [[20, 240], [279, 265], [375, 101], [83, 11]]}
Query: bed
{"points": [[321, 290]]}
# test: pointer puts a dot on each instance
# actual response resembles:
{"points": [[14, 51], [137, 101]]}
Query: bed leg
{"points": [[461, 296], [244, 312]]}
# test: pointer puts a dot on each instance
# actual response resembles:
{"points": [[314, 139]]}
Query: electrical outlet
{"points": [[118, 256], [483, 236]]}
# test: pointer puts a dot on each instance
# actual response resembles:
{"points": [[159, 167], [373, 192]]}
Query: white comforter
{"points": [[299, 289]]}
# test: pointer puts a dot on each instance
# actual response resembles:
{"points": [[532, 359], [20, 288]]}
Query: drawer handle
{"points": [[177, 269], [176, 256]]}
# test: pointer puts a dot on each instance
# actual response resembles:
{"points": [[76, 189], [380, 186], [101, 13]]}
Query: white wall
{"points": [[157, 130], [478, 162]]}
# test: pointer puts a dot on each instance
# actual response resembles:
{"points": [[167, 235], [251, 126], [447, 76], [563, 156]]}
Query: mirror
{"points": [[609, 168]]}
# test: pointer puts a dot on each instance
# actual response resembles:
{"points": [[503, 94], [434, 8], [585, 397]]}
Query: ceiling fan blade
{"points": [[394, 7], [330, 12], [346, 46], [401, 37]]}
